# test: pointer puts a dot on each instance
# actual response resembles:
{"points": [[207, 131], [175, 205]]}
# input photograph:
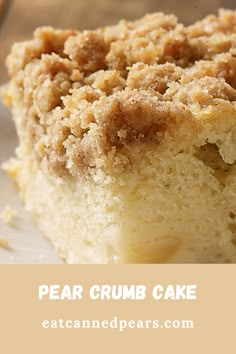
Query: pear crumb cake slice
{"points": [[128, 139]]}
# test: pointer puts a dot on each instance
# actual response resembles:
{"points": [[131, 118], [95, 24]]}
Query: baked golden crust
{"points": [[81, 95]]}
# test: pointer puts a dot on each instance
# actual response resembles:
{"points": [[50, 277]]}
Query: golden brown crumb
{"points": [[4, 244], [90, 93]]}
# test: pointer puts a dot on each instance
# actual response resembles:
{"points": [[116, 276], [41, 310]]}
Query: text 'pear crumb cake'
{"points": [[128, 139]]}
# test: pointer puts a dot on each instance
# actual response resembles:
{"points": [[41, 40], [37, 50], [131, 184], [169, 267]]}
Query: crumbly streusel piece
{"points": [[127, 139], [8, 214], [4, 244]]}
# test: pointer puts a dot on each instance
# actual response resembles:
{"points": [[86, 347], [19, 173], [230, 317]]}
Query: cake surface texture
{"points": [[127, 139]]}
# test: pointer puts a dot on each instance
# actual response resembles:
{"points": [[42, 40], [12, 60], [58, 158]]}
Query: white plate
{"points": [[27, 245]]}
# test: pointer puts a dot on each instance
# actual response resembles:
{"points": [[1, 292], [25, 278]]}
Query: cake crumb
{"points": [[8, 215], [4, 244], [11, 166]]}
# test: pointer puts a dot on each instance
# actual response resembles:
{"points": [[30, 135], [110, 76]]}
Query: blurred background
{"points": [[24, 15]]}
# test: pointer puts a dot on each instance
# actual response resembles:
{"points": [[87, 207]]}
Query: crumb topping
{"points": [[83, 94]]}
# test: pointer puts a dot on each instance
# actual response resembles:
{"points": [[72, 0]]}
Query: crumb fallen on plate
{"points": [[7, 215], [4, 244], [11, 166]]}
